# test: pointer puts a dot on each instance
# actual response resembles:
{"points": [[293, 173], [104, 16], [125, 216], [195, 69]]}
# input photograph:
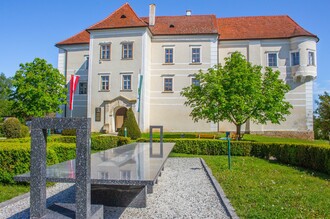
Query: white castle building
{"points": [[161, 54]]}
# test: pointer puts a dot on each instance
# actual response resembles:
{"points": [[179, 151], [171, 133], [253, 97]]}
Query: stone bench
{"points": [[120, 176]]}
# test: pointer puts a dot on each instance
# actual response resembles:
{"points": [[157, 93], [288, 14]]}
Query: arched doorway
{"points": [[120, 116]]}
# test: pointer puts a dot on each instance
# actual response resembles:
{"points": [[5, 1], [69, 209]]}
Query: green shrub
{"points": [[315, 157], [106, 142], [12, 128], [1, 130], [69, 132], [25, 131], [63, 151], [62, 139], [211, 147], [133, 130], [15, 160]]}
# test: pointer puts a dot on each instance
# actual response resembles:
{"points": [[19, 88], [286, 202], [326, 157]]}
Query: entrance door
{"points": [[120, 115]]}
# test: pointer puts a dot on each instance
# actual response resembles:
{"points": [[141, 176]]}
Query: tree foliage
{"points": [[39, 89], [5, 89], [237, 92], [133, 130], [322, 117]]}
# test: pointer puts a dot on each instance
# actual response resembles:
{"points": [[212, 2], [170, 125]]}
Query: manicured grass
{"points": [[263, 189], [11, 191]]}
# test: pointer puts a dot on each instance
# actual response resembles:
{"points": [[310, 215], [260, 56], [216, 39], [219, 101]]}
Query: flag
{"points": [[73, 85], [137, 107]]}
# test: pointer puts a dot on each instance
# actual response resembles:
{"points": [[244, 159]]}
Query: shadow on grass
{"points": [[301, 169]]}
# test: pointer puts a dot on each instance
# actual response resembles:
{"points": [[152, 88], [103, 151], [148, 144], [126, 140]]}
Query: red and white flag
{"points": [[73, 85]]}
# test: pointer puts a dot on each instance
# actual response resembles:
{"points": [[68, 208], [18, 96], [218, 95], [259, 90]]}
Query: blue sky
{"points": [[30, 29]]}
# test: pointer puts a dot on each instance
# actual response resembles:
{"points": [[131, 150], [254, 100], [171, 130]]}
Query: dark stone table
{"points": [[120, 176]]}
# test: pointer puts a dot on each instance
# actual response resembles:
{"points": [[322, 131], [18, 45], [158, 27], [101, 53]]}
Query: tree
{"points": [[5, 89], [236, 92], [133, 130], [322, 117], [39, 89]]}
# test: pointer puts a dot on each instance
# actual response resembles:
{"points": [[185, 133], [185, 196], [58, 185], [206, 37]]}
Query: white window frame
{"points": [[314, 58], [173, 52], [101, 51], [291, 61], [100, 82], [122, 50], [191, 54], [82, 82], [267, 58], [122, 80], [168, 77]]}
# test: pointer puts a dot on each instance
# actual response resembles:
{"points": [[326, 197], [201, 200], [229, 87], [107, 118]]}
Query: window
{"points": [[105, 51], [86, 62], [127, 51], [168, 84], [311, 58], [168, 55], [295, 58], [83, 88], [98, 114], [195, 82], [127, 82], [104, 83], [196, 55], [272, 59]]}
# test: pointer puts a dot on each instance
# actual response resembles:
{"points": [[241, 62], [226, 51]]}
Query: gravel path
{"points": [[183, 191]]}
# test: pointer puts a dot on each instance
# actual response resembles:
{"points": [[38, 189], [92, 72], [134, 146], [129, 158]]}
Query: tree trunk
{"points": [[238, 132]]}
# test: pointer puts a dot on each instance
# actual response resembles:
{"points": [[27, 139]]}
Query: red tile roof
{"points": [[183, 25], [121, 18], [237, 28], [261, 27], [80, 38]]}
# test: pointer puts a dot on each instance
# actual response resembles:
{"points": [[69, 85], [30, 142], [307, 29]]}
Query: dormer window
{"points": [[171, 26], [123, 16]]}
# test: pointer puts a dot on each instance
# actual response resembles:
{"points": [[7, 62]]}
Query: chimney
{"points": [[188, 12], [152, 14]]}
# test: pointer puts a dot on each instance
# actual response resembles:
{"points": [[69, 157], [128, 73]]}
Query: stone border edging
{"points": [[220, 193]]}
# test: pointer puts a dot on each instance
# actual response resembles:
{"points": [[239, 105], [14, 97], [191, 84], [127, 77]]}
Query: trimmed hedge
{"points": [[63, 151], [315, 157], [100, 143], [69, 132], [15, 153], [15, 160]]}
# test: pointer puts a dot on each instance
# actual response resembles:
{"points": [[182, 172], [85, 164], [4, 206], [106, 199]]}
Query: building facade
{"points": [[159, 55]]}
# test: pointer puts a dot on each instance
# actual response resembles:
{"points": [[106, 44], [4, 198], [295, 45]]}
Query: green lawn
{"points": [[11, 191], [261, 189]]}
